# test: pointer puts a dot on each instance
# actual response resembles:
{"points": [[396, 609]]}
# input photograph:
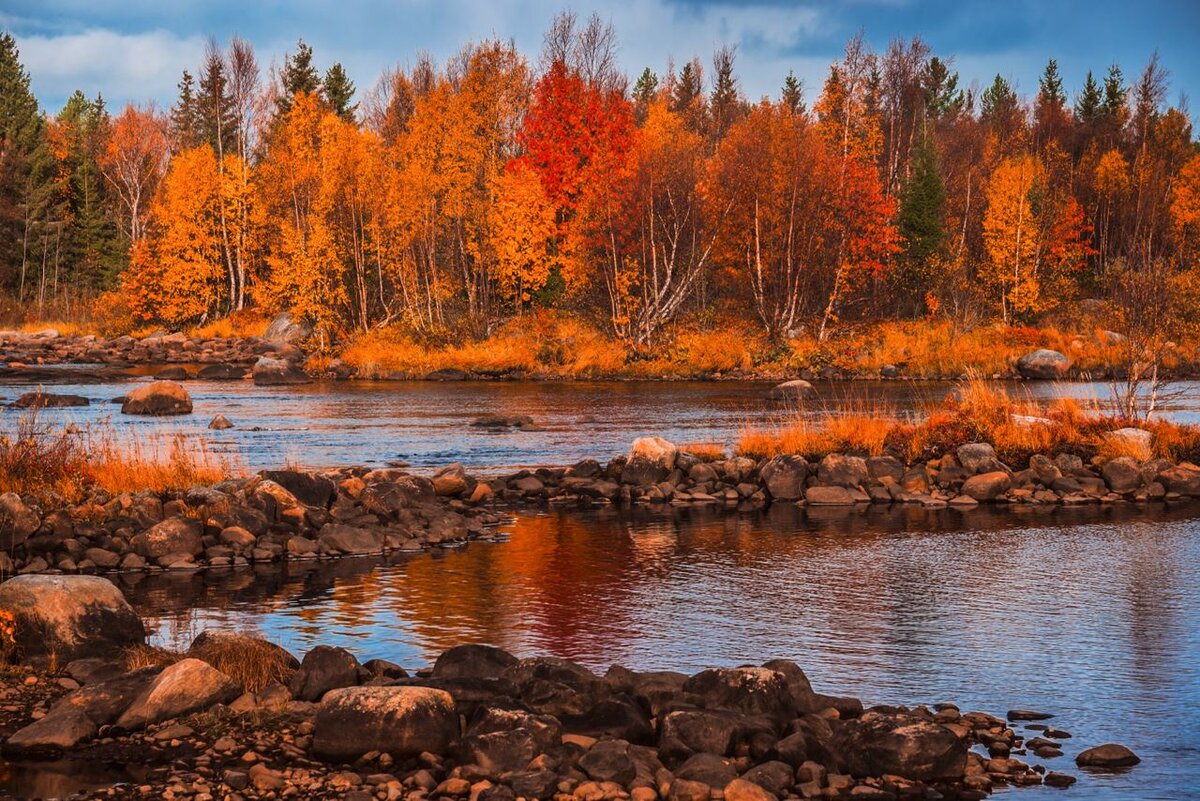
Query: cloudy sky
{"points": [[135, 49]]}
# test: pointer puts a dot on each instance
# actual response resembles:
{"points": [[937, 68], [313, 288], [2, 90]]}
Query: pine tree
{"points": [[724, 101], [920, 219], [1050, 86], [644, 93], [27, 171], [185, 117], [943, 98], [339, 91], [216, 119], [298, 75], [1087, 104], [687, 88], [1115, 92], [792, 96]]}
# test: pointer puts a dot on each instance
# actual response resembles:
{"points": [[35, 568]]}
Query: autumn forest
{"points": [[450, 198]]}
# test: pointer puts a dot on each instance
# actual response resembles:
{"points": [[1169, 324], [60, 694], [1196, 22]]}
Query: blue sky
{"points": [[135, 50]]}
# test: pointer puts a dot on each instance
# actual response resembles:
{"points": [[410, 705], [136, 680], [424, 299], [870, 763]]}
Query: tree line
{"points": [[452, 196]]}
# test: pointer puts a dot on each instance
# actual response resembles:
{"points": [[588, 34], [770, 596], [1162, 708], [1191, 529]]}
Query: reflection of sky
{"points": [[1093, 616], [427, 424]]}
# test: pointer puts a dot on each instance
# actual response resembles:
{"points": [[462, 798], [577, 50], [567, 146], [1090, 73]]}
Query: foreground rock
{"points": [[1108, 757], [403, 721], [158, 398], [61, 618]]}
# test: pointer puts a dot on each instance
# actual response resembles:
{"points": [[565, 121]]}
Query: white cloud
{"points": [[122, 66]]}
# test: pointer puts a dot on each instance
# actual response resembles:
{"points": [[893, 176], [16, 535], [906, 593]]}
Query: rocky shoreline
{"points": [[236, 717], [279, 515], [23, 356]]}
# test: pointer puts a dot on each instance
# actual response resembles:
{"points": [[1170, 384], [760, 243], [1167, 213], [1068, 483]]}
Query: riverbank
{"points": [[236, 714], [553, 348], [292, 514]]}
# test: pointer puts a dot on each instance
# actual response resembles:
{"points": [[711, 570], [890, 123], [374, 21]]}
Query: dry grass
{"points": [[48, 464], [251, 661], [705, 451], [975, 412], [136, 657], [244, 323]]}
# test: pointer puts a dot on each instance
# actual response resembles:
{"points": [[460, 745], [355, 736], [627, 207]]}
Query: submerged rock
{"points": [[46, 400], [158, 398]]}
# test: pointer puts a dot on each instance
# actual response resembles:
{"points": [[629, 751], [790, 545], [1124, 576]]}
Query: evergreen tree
{"points": [[644, 92], [1050, 86], [687, 88], [724, 102], [943, 98], [920, 219], [27, 172], [185, 116], [339, 91], [216, 119], [1115, 92], [793, 94], [298, 75], [1087, 104], [998, 100]]}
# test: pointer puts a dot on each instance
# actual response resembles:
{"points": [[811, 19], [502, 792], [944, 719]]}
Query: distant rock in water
{"points": [[283, 330], [1107, 757], [46, 400], [220, 423], [159, 399], [447, 374], [270, 372], [502, 421], [1043, 364], [221, 372], [797, 389], [174, 373]]}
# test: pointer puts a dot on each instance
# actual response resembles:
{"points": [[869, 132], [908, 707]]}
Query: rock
{"points": [[708, 769], [450, 481], [775, 777], [880, 467], [175, 535], [835, 496], [60, 729], [502, 421], [1056, 779], [64, 618], [838, 470], [47, 400], [1183, 479], [324, 668], [173, 373], [804, 700], [190, 685], [1107, 757], [751, 690], [877, 744], [1044, 364], [795, 390], [271, 372], [17, 521], [1122, 474], [785, 476], [284, 330], [158, 398], [689, 731], [743, 790], [472, 662], [308, 488], [501, 740], [1027, 714], [221, 372], [609, 761], [220, 423], [401, 721], [977, 457], [340, 538], [650, 460], [987, 486]]}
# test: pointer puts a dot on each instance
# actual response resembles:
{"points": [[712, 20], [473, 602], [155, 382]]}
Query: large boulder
{"points": [[838, 470], [69, 617], [877, 744], [284, 330], [175, 535], [159, 399], [1122, 474], [1183, 479], [609, 761], [751, 690], [17, 521], [309, 488], [323, 669], [221, 372], [692, 731], [190, 685], [1136, 442], [795, 390], [401, 721], [47, 400], [1043, 363], [1107, 757], [79, 715], [472, 661], [650, 460], [339, 538], [784, 477], [271, 372], [977, 457], [987, 486], [500, 740]]}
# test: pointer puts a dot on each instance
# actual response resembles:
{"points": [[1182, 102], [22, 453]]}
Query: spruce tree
{"points": [[943, 98], [216, 119], [1087, 104], [185, 117], [298, 75], [339, 91], [644, 92], [793, 94], [724, 101], [1115, 92], [920, 219]]}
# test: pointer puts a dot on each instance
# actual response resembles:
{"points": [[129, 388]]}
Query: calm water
{"points": [[1091, 615], [427, 424]]}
